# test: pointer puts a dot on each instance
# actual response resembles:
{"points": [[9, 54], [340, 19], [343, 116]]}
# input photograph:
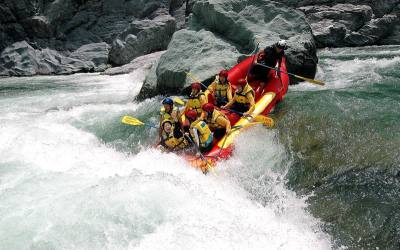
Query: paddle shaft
{"points": [[291, 74], [198, 150]]}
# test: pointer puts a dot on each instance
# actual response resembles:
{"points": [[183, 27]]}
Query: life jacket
{"points": [[241, 97], [212, 120], [195, 104], [170, 141], [168, 115], [221, 90], [174, 143], [205, 134]]}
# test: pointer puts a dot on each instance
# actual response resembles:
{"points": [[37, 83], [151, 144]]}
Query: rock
{"points": [[372, 32], [201, 53], [142, 37], [38, 26], [97, 53], [394, 36], [21, 59], [237, 24], [266, 20], [330, 25], [347, 25], [145, 61], [379, 7], [6, 16], [18, 60]]}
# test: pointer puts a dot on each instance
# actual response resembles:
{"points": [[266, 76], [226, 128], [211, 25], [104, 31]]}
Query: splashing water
{"points": [[73, 177]]}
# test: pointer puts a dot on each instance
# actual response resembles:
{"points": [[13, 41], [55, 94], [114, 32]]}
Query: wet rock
{"points": [[21, 59], [201, 53], [372, 32], [145, 61], [235, 26], [97, 53], [142, 37]]}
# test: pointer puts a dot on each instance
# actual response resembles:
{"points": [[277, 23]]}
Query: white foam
{"points": [[338, 73], [63, 188]]}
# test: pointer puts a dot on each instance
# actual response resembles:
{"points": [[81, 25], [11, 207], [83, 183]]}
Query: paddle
{"points": [[318, 82], [194, 78], [209, 167], [179, 101], [267, 121], [129, 120]]}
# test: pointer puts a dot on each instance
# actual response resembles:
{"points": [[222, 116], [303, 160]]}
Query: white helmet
{"points": [[282, 44]]}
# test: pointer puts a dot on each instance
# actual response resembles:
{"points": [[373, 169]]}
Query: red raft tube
{"points": [[266, 98]]}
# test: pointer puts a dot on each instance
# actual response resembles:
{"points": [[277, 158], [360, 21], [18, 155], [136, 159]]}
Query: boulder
{"points": [[145, 62], [97, 53], [379, 7], [201, 53], [330, 25], [21, 59], [142, 37], [372, 32], [219, 33]]}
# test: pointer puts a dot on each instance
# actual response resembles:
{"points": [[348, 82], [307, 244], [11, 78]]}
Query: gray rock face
{"points": [[145, 62], [235, 26], [21, 59], [95, 53], [142, 37], [141, 26], [379, 7], [347, 25]]}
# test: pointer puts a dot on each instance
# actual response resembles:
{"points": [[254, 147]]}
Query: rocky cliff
{"points": [[68, 36], [57, 33], [219, 32], [339, 23]]}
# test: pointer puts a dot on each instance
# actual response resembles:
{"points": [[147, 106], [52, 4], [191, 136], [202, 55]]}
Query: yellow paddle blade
{"points": [[318, 82], [265, 120], [131, 121], [179, 101]]}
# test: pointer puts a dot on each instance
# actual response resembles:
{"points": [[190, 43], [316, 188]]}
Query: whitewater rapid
{"points": [[73, 177]]}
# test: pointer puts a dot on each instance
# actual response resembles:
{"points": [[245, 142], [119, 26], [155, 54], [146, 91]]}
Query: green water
{"points": [[345, 144]]}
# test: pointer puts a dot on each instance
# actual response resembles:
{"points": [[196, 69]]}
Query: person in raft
{"points": [[200, 133], [243, 100], [172, 138], [169, 112], [216, 120], [196, 99], [271, 56], [221, 89]]}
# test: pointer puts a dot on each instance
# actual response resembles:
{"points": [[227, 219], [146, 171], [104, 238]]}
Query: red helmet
{"points": [[208, 107], [191, 114], [241, 82], [223, 73], [196, 85]]}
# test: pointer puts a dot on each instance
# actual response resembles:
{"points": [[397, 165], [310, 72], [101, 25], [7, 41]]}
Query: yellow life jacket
{"points": [[170, 141], [212, 121], [174, 143], [241, 97], [166, 115], [195, 104], [221, 90], [205, 134]]}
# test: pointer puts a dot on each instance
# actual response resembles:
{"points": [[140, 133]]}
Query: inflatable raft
{"points": [[266, 98]]}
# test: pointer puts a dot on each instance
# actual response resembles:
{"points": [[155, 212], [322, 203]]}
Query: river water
{"points": [[72, 176]]}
